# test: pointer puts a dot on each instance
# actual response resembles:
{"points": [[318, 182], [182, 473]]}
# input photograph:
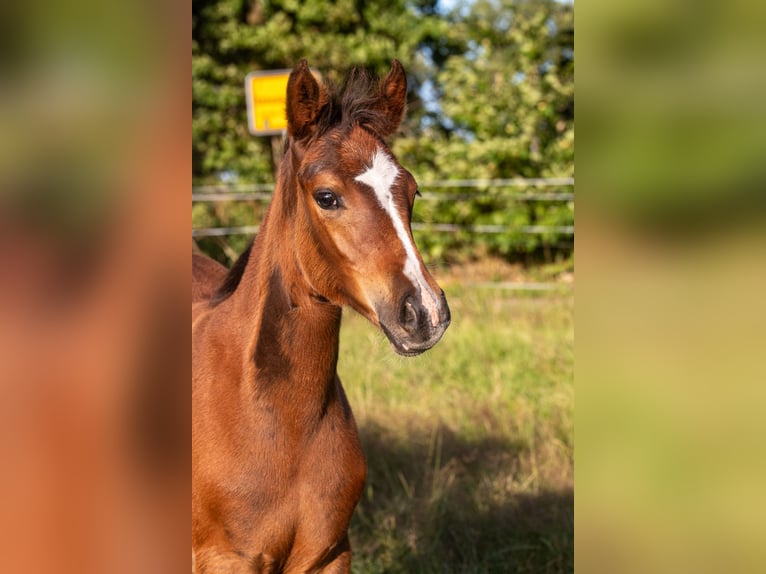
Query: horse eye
{"points": [[326, 199]]}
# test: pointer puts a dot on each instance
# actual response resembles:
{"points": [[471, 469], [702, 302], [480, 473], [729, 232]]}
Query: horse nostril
{"points": [[408, 315]]}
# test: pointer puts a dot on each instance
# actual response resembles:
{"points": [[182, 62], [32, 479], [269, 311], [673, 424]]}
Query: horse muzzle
{"points": [[414, 327]]}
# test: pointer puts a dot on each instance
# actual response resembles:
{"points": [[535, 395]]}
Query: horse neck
{"points": [[292, 336]]}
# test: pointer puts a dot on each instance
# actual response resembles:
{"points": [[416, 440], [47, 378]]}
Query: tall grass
{"points": [[469, 446]]}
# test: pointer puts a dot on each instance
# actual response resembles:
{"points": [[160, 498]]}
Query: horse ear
{"points": [[305, 98], [393, 98]]}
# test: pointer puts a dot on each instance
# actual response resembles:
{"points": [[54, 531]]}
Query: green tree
{"points": [[505, 109], [505, 93], [233, 37]]}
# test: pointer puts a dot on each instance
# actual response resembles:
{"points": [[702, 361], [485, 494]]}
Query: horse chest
{"points": [[295, 499], [320, 472]]}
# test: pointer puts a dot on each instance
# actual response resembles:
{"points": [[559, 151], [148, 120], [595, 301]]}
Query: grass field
{"points": [[469, 446]]}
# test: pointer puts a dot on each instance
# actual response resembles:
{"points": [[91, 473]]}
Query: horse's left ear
{"points": [[393, 98]]}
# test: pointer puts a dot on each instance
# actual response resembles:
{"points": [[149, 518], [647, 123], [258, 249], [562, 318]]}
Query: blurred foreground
{"points": [[94, 139], [670, 308]]}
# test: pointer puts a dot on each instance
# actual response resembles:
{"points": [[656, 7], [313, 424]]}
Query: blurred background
{"points": [[470, 447]]}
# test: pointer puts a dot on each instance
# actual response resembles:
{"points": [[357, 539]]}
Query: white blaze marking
{"points": [[381, 177]]}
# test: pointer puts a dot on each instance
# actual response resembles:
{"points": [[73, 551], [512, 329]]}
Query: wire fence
{"points": [[532, 190], [262, 192], [443, 227]]}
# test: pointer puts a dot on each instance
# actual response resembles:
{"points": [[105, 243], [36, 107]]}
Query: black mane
{"points": [[233, 277]]}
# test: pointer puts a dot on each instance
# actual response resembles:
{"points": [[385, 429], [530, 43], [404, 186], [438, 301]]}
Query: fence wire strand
{"points": [[262, 192]]}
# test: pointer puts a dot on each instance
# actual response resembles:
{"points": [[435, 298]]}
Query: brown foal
{"points": [[277, 468]]}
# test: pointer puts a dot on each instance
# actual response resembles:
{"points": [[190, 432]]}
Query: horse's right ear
{"points": [[305, 98]]}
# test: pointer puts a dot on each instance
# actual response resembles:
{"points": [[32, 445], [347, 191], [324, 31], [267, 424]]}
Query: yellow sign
{"points": [[266, 99], [266, 102]]}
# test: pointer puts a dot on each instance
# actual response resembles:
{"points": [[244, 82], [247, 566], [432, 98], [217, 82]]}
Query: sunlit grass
{"points": [[469, 446]]}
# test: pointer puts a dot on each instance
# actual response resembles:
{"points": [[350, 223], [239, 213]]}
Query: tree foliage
{"points": [[491, 96], [505, 109], [231, 38], [507, 100]]}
